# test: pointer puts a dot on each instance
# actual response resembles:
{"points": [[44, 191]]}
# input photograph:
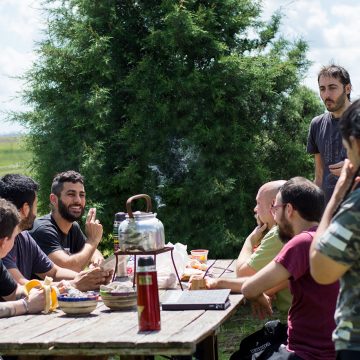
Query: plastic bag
{"points": [[165, 269]]}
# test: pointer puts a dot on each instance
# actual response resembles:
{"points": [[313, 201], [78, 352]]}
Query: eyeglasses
{"points": [[274, 207]]}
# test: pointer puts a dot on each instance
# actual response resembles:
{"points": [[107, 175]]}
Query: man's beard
{"points": [[66, 214], [338, 104], [28, 222], [286, 231]]}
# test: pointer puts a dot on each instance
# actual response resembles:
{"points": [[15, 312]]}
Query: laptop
{"points": [[196, 299]]}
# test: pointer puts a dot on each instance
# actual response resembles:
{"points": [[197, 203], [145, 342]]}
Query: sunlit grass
{"points": [[14, 158]]}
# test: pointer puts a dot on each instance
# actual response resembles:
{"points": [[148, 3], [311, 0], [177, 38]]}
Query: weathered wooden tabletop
{"points": [[106, 332]]}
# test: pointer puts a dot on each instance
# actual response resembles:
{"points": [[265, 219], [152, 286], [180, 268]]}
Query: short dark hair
{"points": [[337, 72], [66, 176], [350, 121], [306, 197], [9, 218], [19, 189]]}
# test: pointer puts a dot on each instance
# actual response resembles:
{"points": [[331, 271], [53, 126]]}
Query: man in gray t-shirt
{"points": [[324, 139]]}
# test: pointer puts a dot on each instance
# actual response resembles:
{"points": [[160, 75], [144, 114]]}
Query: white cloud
{"points": [[329, 27], [20, 26]]}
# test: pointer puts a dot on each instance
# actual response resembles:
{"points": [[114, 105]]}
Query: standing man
{"points": [[59, 235], [263, 244], [16, 302], [335, 251], [26, 259], [324, 139]]}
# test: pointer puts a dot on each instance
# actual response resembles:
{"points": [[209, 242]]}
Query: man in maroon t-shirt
{"points": [[297, 210]]}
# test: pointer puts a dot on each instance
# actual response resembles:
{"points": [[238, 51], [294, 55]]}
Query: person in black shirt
{"points": [[16, 302], [59, 235], [26, 260]]}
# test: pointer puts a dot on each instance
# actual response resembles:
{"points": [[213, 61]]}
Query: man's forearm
{"points": [[244, 256], [233, 284], [81, 259], [8, 309], [75, 262], [59, 273]]}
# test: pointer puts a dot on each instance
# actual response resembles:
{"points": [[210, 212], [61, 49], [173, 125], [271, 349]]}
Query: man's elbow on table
{"points": [[249, 291]]}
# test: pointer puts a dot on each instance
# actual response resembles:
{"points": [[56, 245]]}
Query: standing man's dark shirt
{"points": [[325, 138]]}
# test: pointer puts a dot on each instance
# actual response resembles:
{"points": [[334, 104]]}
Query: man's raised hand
{"points": [[93, 228]]}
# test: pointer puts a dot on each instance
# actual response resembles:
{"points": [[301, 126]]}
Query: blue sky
{"points": [[330, 27]]}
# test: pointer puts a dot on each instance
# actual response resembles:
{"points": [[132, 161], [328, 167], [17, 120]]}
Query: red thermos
{"points": [[147, 295]]}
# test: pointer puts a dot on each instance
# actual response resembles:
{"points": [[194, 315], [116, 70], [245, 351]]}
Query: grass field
{"points": [[13, 156]]}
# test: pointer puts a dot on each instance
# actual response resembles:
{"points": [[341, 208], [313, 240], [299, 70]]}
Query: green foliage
{"points": [[195, 102]]}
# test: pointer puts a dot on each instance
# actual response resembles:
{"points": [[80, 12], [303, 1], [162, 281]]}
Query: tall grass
{"points": [[14, 158]]}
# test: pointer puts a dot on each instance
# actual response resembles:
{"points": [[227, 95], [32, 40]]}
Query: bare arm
{"points": [[323, 269], [59, 273], [236, 285], [319, 170], [269, 277], [91, 279], [18, 276], [97, 259], [75, 262], [12, 308], [283, 285], [335, 169], [81, 259], [254, 239], [17, 304]]}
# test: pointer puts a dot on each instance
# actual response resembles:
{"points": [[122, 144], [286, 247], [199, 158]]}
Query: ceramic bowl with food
{"points": [[78, 303], [119, 295]]}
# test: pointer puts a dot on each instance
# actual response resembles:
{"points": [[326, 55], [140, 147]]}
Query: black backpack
{"points": [[263, 343]]}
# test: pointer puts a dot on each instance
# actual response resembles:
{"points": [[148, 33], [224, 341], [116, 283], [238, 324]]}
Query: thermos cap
{"points": [[120, 216], [146, 261]]}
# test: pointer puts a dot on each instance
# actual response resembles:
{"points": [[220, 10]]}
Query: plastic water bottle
{"points": [[148, 304]]}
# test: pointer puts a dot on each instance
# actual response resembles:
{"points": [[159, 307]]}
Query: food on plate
{"points": [[76, 302], [196, 264], [188, 272], [118, 287]]}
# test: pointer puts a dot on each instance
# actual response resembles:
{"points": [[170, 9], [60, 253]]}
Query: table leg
{"points": [[136, 357], [68, 357], [207, 349]]}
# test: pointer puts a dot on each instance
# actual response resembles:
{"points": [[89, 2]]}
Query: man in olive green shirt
{"points": [[263, 244]]}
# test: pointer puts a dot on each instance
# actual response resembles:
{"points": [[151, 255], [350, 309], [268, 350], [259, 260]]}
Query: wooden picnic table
{"points": [[106, 332]]}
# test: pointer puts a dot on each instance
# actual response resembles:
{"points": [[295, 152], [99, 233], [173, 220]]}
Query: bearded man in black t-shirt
{"points": [[59, 235]]}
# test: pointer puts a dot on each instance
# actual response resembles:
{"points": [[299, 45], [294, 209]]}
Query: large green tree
{"points": [[195, 102]]}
